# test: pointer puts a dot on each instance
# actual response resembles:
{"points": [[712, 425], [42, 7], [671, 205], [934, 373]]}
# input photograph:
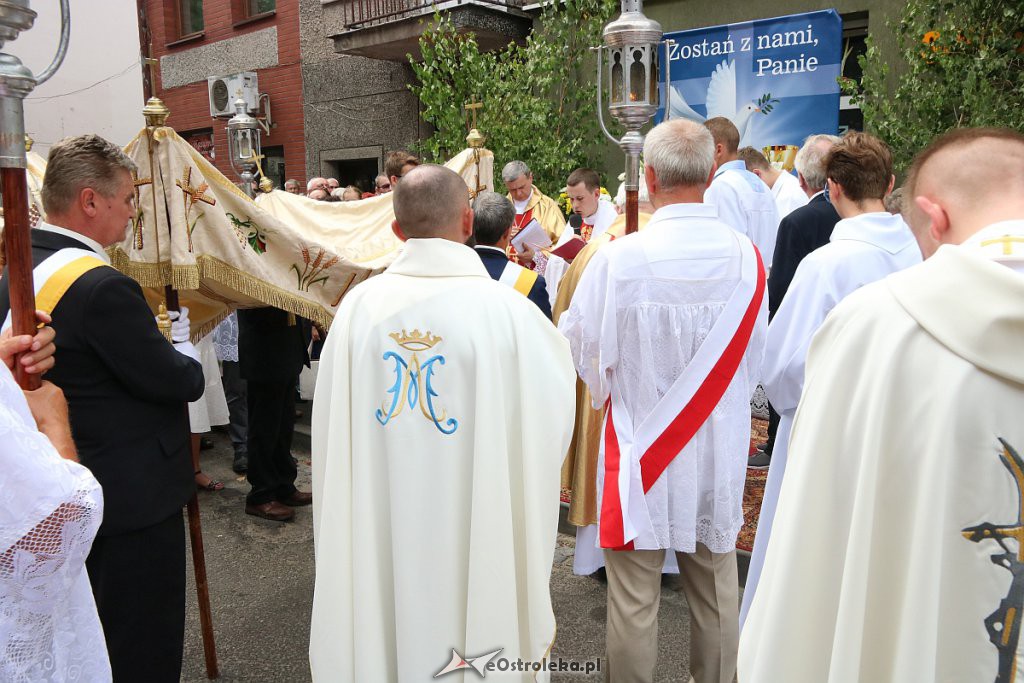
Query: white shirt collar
{"points": [[488, 246], [520, 207], [88, 241]]}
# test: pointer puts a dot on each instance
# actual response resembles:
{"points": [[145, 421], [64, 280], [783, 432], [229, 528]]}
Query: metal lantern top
{"points": [[631, 42], [243, 135], [633, 27], [242, 121]]}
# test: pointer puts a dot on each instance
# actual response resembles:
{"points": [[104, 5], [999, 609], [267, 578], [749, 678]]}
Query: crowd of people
{"points": [[330, 190], [509, 352]]}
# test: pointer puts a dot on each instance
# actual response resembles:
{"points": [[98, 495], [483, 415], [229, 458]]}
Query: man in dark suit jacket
{"points": [[126, 389], [801, 232], [493, 215], [272, 348]]}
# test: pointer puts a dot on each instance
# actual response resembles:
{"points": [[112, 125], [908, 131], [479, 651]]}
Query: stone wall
{"points": [[354, 107]]}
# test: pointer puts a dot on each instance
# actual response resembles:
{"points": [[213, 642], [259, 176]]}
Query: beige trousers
{"points": [[711, 587]]}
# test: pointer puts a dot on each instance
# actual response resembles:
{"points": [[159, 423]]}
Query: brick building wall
{"points": [[231, 42]]}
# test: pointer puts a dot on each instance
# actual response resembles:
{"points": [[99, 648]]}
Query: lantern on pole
{"points": [[628, 60], [16, 82], [244, 145]]}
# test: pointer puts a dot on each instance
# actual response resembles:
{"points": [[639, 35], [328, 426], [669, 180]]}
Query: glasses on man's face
{"points": [[384, 187]]}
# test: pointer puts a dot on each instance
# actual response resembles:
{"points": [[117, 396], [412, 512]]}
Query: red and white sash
{"points": [[624, 519]]}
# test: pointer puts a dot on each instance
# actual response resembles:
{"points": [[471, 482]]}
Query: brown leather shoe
{"points": [[274, 511], [297, 499]]}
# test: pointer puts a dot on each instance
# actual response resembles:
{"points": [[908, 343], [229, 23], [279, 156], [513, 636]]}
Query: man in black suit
{"points": [[800, 232], [126, 389], [272, 348], [493, 215]]}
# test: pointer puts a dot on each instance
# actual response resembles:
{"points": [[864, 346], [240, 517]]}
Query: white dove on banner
{"points": [[720, 101]]}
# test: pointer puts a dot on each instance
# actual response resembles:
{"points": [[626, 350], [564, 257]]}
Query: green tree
{"points": [[539, 103], [963, 66]]}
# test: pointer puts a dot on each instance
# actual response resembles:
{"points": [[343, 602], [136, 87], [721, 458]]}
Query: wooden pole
{"points": [[195, 527], [195, 534], [632, 211], [18, 252]]}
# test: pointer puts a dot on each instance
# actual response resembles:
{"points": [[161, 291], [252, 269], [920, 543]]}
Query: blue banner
{"points": [[776, 79]]}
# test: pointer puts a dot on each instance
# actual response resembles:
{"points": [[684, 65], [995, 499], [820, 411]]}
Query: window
{"points": [[190, 17], [257, 7]]}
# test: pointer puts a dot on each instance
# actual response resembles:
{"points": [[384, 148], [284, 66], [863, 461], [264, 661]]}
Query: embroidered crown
{"points": [[416, 340]]}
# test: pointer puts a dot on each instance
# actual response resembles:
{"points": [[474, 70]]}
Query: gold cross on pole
{"points": [[471, 108], [1007, 241], [151, 64]]}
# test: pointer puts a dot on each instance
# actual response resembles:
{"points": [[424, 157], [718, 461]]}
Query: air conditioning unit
{"points": [[224, 90]]}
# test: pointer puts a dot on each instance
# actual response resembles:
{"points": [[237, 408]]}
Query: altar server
{"points": [[866, 245]]}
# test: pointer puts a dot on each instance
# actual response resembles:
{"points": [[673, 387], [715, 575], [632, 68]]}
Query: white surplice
{"points": [[788, 194], [862, 249], [746, 204], [436, 472], [882, 566], [644, 306], [556, 266], [50, 511]]}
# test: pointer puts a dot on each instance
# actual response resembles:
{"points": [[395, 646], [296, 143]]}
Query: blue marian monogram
{"points": [[412, 381]]}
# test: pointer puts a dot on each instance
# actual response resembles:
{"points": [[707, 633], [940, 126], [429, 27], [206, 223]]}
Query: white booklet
{"points": [[533, 236]]}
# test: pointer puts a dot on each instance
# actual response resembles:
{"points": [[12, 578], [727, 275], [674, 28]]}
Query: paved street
{"points": [[261, 583]]}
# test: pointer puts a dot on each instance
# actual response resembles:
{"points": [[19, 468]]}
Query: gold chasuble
{"points": [[579, 471]]}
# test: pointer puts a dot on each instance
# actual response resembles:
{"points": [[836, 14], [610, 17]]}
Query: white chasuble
{"points": [[654, 322], [862, 249], [896, 552], [436, 472]]}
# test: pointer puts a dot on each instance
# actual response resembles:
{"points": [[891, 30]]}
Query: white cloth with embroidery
{"points": [[50, 510], [642, 309], [877, 570], [435, 498], [862, 249]]}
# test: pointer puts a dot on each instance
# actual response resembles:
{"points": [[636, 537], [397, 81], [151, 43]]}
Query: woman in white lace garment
{"points": [[50, 510]]}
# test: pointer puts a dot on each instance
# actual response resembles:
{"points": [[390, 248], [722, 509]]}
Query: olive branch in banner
{"points": [[766, 103]]}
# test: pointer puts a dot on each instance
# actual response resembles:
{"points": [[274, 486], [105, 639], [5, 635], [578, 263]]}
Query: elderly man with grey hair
{"points": [[667, 326], [126, 388], [492, 227], [530, 205], [800, 232]]}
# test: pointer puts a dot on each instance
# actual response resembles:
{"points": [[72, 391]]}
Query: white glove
{"points": [[186, 348], [180, 325]]}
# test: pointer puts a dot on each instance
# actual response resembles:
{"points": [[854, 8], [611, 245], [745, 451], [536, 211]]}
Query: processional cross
{"points": [[1004, 625]]}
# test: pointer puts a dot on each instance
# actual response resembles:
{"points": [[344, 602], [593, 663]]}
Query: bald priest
{"points": [[435, 473]]}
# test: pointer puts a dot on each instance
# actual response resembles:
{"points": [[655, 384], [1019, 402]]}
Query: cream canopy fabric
{"points": [[224, 251]]}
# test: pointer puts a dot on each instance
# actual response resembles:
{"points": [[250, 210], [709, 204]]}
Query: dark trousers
{"points": [[138, 579], [271, 425], [773, 428], [238, 408]]}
